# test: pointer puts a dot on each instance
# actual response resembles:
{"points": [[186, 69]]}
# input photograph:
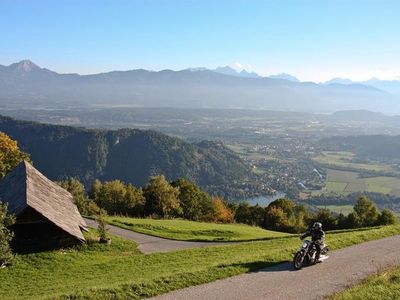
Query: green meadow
{"points": [[385, 285], [184, 230]]}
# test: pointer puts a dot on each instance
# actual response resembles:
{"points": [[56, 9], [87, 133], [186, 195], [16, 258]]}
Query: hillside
{"points": [[128, 154], [25, 83]]}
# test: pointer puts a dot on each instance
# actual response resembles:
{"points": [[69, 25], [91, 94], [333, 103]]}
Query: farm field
{"points": [[194, 231], [345, 160], [119, 271], [345, 182]]}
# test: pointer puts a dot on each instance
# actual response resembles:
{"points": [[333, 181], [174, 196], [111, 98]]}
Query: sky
{"points": [[313, 40]]}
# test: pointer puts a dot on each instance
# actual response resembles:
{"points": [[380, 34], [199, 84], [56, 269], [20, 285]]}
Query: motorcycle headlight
{"points": [[305, 245]]}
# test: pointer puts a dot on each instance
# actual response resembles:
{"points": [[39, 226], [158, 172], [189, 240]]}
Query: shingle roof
{"points": [[26, 187]]}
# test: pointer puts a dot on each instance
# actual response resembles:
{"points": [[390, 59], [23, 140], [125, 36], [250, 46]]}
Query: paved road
{"points": [[150, 244], [343, 268]]}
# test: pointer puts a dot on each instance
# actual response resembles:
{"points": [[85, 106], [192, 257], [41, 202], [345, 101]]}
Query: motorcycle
{"points": [[306, 254]]}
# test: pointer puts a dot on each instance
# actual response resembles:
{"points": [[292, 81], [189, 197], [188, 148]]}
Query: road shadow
{"points": [[262, 266]]}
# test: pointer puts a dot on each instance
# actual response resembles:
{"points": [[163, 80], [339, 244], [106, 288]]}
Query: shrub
{"points": [[6, 220]]}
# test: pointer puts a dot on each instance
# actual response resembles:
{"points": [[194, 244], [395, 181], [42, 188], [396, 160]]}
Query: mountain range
{"points": [[25, 84]]}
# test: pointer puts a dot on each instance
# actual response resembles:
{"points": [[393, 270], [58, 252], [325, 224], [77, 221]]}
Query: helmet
{"points": [[317, 226]]}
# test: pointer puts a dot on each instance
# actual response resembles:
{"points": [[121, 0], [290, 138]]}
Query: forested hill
{"points": [[128, 154]]}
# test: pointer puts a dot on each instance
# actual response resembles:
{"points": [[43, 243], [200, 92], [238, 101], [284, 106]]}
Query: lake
{"points": [[264, 201]]}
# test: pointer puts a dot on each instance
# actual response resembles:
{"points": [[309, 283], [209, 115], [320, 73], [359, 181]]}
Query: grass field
{"points": [[345, 182], [345, 160], [385, 285], [119, 271], [194, 231]]}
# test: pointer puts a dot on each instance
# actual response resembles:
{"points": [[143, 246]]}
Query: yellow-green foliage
{"points": [[10, 154]]}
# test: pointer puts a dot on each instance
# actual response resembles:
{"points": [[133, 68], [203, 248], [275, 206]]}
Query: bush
{"points": [[102, 227], [6, 220]]}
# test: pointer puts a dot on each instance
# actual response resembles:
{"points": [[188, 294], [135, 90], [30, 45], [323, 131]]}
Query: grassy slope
{"points": [[194, 231], [118, 271], [385, 285]]}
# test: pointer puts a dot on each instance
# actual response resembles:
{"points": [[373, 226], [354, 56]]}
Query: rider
{"points": [[317, 237]]}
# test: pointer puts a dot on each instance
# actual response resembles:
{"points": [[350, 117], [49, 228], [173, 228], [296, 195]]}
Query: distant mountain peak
{"points": [[284, 76], [338, 80], [228, 70], [24, 66]]}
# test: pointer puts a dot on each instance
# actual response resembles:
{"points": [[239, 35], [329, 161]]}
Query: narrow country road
{"points": [[150, 244], [344, 267]]}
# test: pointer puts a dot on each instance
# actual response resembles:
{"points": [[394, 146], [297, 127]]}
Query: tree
{"points": [[6, 235], [161, 198], [10, 154], [325, 216], [111, 197], [243, 214], [387, 217], [77, 190], [134, 201], [196, 204], [285, 204], [276, 219], [285, 215], [251, 215], [94, 193], [118, 198], [353, 220], [221, 212], [366, 212]]}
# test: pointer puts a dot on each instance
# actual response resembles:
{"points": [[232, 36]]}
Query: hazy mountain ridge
{"points": [[390, 86], [38, 87]]}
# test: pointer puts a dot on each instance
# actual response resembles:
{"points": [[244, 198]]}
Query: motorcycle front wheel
{"points": [[298, 261]]}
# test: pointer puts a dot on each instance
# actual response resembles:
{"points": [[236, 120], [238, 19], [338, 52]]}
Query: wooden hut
{"points": [[45, 212]]}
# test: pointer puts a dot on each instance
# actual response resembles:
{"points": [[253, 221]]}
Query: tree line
{"points": [[158, 199], [184, 199], [288, 216]]}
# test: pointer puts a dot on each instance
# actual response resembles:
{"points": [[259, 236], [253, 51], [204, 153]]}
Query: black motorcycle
{"points": [[306, 254]]}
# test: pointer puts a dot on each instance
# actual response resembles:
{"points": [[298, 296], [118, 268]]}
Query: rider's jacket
{"points": [[317, 236]]}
